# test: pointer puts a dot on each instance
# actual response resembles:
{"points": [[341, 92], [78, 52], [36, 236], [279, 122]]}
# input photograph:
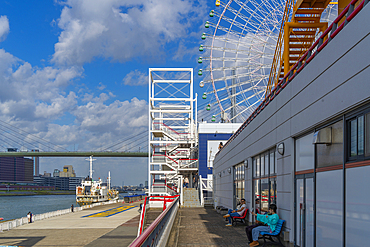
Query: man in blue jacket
{"points": [[269, 220]]}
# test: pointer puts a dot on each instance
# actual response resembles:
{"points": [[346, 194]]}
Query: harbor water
{"points": [[14, 207]]}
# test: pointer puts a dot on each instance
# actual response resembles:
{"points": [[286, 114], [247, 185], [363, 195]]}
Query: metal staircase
{"points": [[296, 36], [172, 130]]}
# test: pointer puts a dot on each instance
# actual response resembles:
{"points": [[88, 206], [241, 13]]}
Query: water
{"points": [[15, 207]]}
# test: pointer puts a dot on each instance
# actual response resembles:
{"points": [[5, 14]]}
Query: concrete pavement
{"points": [[108, 225], [194, 227]]}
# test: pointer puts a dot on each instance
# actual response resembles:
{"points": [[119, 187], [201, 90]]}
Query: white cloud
{"points": [[120, 29], [135, 78], [118, 117], [57, 108], [101, 86], [183, 52], [30, 92], [33, 99], [4, 27]]}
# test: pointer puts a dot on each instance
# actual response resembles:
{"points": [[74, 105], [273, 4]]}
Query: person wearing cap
{"points": [[238, 212]]}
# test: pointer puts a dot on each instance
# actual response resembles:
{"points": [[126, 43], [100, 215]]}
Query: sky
{"points": [[75, 72]]}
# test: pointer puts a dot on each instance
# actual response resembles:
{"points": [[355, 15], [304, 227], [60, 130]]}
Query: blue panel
{"points": [[202, 150]]}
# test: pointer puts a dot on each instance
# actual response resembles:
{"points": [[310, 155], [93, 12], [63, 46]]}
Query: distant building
{"points": [[12, 149], [16, 169], [74, 182], [46, 174], [141, 185], [67, 171], [56, 173], [60, 183]]}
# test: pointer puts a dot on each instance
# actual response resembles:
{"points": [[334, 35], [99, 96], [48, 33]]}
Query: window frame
{"points": [[268, 156], [362, 113]]}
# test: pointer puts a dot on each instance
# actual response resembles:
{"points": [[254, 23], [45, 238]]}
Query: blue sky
{"points": [[75, 72]]}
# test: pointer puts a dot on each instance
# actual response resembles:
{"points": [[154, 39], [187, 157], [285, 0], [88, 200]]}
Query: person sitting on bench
{"points": [[248, 229], [238, 212], [237, 208], [270, 221]]}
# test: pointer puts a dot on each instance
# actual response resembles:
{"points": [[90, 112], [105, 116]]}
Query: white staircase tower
{"points": [[172, 129]]}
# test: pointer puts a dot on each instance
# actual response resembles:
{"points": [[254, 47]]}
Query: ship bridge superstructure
{"points": [[172, 130]]}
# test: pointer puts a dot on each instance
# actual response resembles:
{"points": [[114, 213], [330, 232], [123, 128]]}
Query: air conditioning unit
{"points": [[323, 136]]}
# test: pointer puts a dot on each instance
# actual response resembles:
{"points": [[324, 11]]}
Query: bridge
{"points": [[74, 154]]}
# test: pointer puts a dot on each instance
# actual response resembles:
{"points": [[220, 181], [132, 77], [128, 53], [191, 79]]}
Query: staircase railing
{"points": [[142, 217]]}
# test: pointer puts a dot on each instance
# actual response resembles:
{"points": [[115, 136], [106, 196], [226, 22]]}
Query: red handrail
{"points": [[142, 218], [141, 239]]}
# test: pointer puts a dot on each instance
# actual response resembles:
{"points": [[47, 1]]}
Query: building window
{"points": [[264, 179], [358, 143], [239, 182], [305, 153]]}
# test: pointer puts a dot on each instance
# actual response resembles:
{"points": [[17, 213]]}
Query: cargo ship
{"points": [[91, 191], [94, 191]]}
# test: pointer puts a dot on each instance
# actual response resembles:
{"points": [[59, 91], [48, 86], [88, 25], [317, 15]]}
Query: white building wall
{"points": [[224, 128], [336, 81]]}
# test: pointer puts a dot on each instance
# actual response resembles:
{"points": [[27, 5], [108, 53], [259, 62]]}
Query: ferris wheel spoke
{"points": [[253, 14], [242, 101], [247, 29], [250, 109], [238, 58], [242, 93], [252, 83], [255, 78], [244, 43]]}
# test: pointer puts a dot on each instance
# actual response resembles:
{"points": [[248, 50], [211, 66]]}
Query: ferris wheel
{"points": [[237, 52]]}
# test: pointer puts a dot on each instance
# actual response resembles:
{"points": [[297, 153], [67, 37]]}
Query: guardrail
{"points": [[8, 225], [157, 233], [331, 32]]}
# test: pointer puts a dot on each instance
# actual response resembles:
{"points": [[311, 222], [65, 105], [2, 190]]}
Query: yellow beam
{"points": [[342, 4], [287, 27]]}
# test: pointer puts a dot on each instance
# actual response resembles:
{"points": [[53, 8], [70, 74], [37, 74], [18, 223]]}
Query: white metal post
{"points": [[182, 190], [149, 136]]}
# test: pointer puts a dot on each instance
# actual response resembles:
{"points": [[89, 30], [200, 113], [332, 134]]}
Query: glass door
{"points": [[304, 211]]}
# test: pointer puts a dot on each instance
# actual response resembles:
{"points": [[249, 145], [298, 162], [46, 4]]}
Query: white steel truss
{"points": [[172, 129]]}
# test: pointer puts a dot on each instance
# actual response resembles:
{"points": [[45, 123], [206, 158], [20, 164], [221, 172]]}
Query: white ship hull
{"points": [[94, 191]]}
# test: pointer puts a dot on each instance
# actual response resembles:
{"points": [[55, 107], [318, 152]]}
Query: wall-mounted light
{"points": [[280, 148], [229, 170], [246, 163], [219, 174]]}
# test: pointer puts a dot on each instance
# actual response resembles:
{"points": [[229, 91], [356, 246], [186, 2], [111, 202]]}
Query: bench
{"points": [[275, 234], [241, 218]]}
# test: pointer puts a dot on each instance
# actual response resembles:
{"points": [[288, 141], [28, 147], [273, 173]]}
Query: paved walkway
{"points": [[205, 227], [108, 225]]}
